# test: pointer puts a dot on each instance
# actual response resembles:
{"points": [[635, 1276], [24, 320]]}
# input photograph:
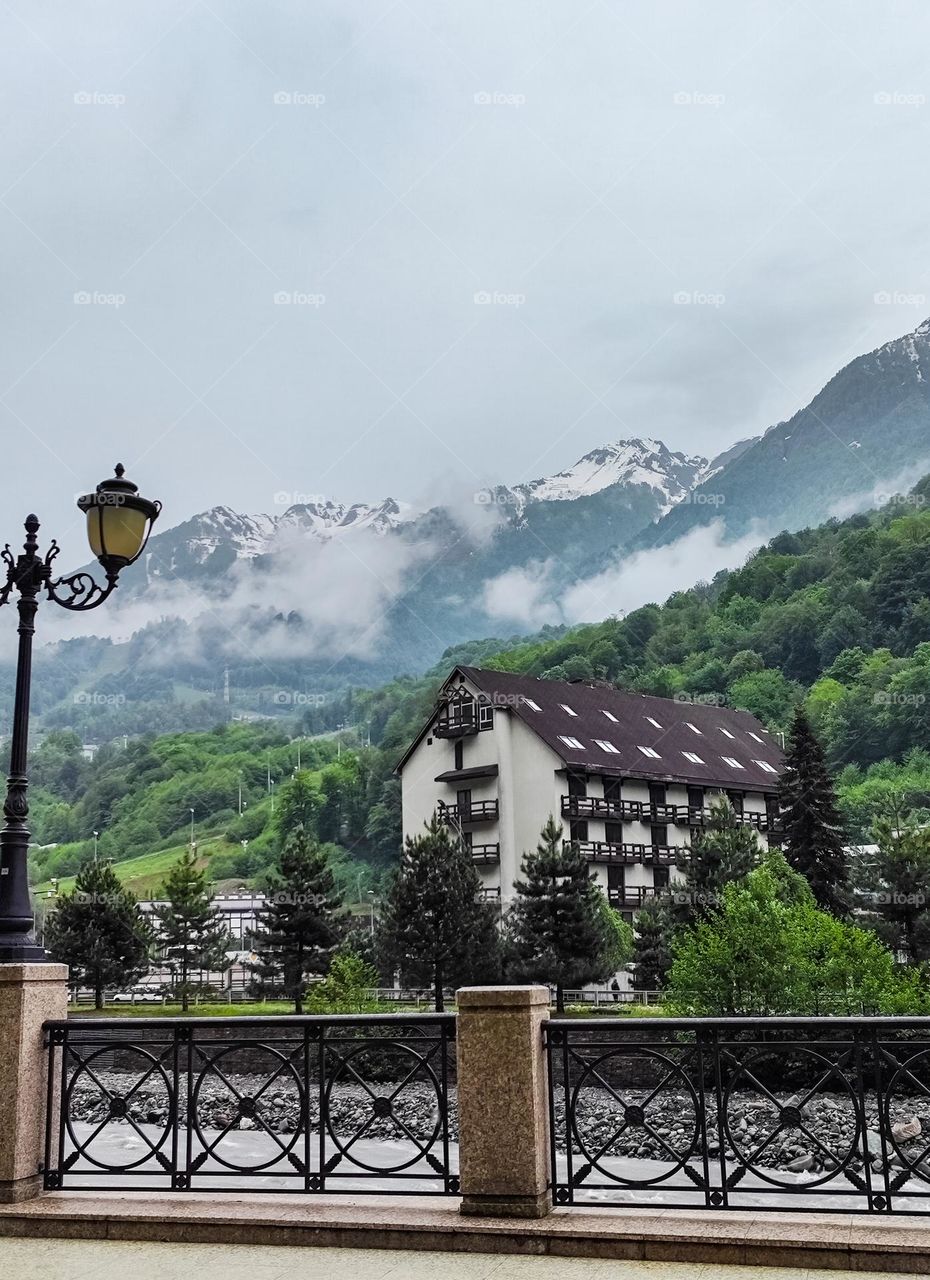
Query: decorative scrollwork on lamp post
{"points": [[119, 522]]}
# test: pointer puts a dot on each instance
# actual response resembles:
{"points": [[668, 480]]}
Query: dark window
{"points": [[660, 877], [577, 784], [657, 793], [611, 788], [463, 800], [659, 834], [459, 754], [695, 797], [485, 716], [578, 829], [467, 838], [613, 832], [736, 800], [616, 878], [772, 808]]}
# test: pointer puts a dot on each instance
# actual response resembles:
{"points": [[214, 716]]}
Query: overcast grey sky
{"points": [[183, 164]]}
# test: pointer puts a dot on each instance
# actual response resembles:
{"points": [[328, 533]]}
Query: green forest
{"points": [[837, 617]]}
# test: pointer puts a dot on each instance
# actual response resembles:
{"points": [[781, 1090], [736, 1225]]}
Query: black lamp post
{"points": [[118, 525]]}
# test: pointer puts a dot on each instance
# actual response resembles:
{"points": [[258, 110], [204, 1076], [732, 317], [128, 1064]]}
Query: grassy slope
{"points": [[145, 874]]}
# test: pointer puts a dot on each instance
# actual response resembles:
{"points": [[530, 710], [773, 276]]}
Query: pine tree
{"points": [[812, 833], [298, 930], [652, 956], [900, 887], [99, 931], [726, 849], [190, 928], [434, 925], [556, 928]]}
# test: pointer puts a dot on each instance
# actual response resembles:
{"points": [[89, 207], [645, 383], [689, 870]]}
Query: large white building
{"points": [[631, 777]]}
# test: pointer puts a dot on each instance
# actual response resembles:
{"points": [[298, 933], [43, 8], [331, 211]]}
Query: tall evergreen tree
{"points": [[190, 928], [556, 928], [724, 850], [298, 929], [900, 886], [99, 931], [652, 956], [812, 832], [434, 925]]}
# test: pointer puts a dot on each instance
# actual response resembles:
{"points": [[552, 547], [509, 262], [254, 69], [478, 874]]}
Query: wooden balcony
{"points": [[599, 807], [484, 854], [661, 814], [633, 897], [629, 853], [457, 721], [477, 811]]}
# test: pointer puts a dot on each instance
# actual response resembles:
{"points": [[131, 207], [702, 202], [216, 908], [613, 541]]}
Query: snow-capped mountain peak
{"points": [[624, 462]]}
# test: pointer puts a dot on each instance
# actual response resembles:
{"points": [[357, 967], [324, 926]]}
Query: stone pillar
{"points": [[30, 994], [503, 1102]]}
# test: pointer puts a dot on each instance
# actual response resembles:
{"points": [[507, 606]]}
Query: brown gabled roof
{"points": [[630, 721]]}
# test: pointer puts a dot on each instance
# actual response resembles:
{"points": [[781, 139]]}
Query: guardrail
{"points": [[337, 1104], [763, 1113]]}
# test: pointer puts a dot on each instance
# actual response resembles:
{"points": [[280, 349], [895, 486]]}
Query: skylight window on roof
{"points": [[571, 742], [734, 764], [565, 707], [695, 759], [610, 716], [607, 746], [648, 751], [726, 732], [694, 728], [655, 722], [530, 703], [756, 736], [764, 764]]}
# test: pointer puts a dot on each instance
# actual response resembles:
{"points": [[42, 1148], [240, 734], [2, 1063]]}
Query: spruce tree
{"points": [[812, 833], [190, 928], [556, 928], [99, 931], [652, 957], [434, 926], [726, 849], [297, 930]]}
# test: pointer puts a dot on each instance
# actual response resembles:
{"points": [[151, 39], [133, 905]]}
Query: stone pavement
{"points": [[128, 1260]]}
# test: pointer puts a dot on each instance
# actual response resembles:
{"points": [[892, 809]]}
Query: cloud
{"points": [[882, 491], [535, 597]]}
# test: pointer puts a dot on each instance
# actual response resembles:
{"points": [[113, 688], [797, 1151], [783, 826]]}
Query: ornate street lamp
{"points": [[118, 525]]}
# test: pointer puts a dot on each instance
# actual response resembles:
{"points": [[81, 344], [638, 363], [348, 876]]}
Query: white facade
{"points": [[498, 781]]}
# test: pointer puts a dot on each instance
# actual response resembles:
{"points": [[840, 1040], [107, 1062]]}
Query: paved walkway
{"points": [[119, 1260]]}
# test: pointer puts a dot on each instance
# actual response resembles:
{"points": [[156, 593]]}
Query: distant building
{"points": [[630, 776], [240, 915]]}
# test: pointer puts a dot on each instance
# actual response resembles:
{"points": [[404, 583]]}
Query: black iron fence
{"points": [[762, 1113], [313, 1104]]}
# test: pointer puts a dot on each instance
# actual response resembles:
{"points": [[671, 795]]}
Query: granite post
{"points": [[30, 994], [503, 1102]]}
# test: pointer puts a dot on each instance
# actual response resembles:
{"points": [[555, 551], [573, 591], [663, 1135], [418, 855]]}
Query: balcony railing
{"points": [[612, 851], [632, 897], [477, 811], [457, 721], [642, 811], [482, 854]]}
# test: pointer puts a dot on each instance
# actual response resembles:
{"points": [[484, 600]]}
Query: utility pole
{"points": [[371, 918], [96, 834], [192, 828]]}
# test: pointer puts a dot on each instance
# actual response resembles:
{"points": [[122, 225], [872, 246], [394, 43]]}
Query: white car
{"points": [[136, 997]]}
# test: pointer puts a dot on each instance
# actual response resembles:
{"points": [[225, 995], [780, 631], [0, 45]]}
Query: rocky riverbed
{"points": [[781, 1135]]}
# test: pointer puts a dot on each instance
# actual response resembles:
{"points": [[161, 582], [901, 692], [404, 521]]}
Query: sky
{"points": [[391, 246]]}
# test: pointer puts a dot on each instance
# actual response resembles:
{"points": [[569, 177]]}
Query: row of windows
{"points": [[569, 710]]}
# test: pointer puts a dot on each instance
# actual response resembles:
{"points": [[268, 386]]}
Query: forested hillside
{"points": [[838, 615]]}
